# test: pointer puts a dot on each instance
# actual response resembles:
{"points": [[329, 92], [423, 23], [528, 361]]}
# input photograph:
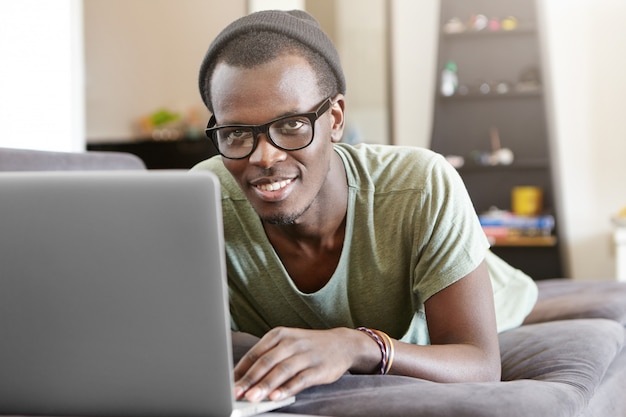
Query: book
{"points": [[507, 219], [503, 226]]}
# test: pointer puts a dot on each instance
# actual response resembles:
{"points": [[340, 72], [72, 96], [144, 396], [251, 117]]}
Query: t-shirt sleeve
{"points": [[450, 242]]}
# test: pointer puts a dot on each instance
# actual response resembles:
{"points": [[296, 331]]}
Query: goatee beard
{"points": [[285, 219], [280, 220]]}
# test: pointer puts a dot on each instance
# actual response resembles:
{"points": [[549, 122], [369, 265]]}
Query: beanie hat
{"points": [[296, 24]]}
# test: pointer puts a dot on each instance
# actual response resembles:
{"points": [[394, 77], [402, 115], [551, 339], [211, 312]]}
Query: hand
{"points": [[287, 360]]}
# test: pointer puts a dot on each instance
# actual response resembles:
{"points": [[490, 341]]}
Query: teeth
{"points": [[273, 186]]}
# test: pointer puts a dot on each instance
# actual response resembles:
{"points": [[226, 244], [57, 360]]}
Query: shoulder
{"points": [[392, 167], [383, 155], [230, 189]]}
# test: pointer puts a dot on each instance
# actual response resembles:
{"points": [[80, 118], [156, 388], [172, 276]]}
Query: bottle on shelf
{"points": [[449, 79]]}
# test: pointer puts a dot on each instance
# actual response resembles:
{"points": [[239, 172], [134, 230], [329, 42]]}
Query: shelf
{"points": [[536, 164], [509, 62], [169, 154], [493, 96], [469, 34], [524, 241]]}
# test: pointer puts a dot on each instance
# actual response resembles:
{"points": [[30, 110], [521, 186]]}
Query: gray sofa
{"points": [[568, 359]]}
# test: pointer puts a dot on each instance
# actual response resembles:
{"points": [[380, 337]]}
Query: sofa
{"points": [[567, 359], [33, 160]]}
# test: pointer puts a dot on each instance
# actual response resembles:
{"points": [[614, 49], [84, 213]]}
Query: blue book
{"points": [[544, 222]]}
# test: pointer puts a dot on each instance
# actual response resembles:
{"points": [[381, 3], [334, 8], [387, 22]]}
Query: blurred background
{"points": [[516, 93]]}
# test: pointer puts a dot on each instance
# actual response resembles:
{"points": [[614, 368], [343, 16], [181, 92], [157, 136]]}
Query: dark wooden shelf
{"points": [[472, 34], [172, 154], [464, 124]]}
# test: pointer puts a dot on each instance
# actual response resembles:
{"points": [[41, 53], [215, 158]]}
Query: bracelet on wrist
{"points": [[385, 344]]}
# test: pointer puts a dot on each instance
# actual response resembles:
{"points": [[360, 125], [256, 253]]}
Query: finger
{"points": [[254, 369], [295, 385], [266, 344], [280, 374]]}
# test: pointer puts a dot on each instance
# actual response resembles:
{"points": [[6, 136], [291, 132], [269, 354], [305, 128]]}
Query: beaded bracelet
{"points": [[385, 344], [389, 347]]}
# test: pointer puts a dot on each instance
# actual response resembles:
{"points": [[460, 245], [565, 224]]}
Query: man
{"points": [[364, 259]]}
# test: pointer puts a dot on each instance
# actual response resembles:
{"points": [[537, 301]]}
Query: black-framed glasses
{"points": [[289, 133]]}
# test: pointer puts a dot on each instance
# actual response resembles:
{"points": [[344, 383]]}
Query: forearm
{"points": [[447, 363], [439, 363]]}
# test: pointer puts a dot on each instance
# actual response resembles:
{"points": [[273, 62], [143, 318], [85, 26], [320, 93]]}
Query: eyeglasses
{"points": [[288, 133]]}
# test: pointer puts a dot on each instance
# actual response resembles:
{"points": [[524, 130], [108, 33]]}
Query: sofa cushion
{"points": [[609, 399], [32, 160], [561, 299], [548, 369], [575, 352]]}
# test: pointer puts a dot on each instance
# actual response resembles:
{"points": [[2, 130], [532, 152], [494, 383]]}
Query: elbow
{"points": [[492, 372], [484, 367], [490, 369]]}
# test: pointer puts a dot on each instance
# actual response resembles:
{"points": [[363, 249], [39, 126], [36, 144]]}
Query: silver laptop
{"points": [[113, 299]]}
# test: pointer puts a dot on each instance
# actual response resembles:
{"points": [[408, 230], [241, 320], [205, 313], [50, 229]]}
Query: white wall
{"points": [[257, 5], [41, 76], [361, 39], [585, 54], [138, 61], [414, 34]]}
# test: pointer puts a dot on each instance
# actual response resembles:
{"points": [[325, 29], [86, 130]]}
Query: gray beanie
{"points": [[295, 24]]}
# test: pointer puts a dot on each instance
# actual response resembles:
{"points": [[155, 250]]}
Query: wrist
{"points": [[385, 345], [364, 352]]}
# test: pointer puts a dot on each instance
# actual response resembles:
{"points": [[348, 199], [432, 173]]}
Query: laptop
{"points": [[113, 296]]}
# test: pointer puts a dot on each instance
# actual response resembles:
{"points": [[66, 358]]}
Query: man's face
{"points": [[282, 186]]}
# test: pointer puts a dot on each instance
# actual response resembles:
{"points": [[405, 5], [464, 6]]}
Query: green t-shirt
{"points": [[411, 231]]}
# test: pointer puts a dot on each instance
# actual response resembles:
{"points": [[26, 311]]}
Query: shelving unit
{"points": [[172, 154], [508, 63]]}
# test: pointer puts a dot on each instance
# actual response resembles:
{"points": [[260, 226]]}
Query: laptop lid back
{"points": [[112, 295]]}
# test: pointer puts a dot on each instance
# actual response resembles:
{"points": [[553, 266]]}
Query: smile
{"points": [[274, 186]]}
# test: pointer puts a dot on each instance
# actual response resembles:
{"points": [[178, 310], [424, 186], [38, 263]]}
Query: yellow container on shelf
{"points": [[527, 200]]}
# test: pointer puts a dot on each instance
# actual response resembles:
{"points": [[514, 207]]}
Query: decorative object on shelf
{"points": [[193, 125], [479, 22], [497, 156], [162, 124], [165, 125], [449, 79], [529, 80], [463, 90], [494, 25], [492, 89], [502, 87], [509, 23], [457, 161], [454, 25], [527, 200], [485, 87]]}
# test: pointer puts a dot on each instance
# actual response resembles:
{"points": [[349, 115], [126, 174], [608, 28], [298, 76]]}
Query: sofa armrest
{"points": [[564, 299], [32, 160]]}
